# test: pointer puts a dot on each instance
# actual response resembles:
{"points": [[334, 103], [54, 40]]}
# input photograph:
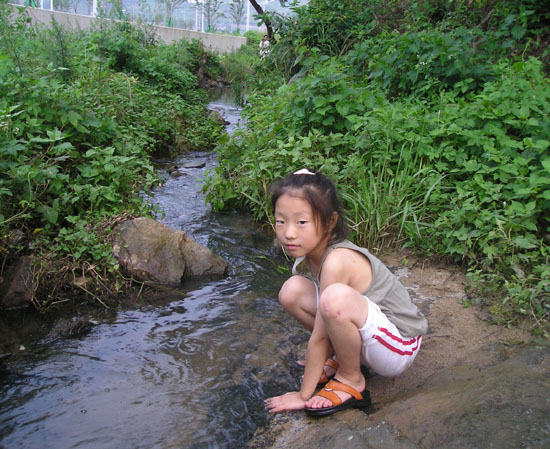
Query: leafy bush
{"points": [[334, 27], [494, 149], [76, 139], [425, 62], [463, 173], [327, 100]]}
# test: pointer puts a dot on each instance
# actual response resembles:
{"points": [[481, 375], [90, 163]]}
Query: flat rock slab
{"points": [[473, 384], [499, 400]]}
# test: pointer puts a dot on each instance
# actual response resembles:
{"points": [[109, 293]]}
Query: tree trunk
{"points": [[267, 22]]}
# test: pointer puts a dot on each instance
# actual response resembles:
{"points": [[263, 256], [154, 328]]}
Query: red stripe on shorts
{"points": [[393, 348], [396, 338]]}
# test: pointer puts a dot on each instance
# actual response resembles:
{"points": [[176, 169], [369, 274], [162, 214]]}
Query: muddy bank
{"points": [[473, 385]]}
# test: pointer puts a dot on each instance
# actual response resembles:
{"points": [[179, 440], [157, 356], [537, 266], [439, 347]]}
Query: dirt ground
{"points": [[455, 330]]}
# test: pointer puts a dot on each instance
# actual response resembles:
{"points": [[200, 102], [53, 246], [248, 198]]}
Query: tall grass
{"points": [[388, 205]]}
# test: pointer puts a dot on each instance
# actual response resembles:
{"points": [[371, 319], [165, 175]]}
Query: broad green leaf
{"points": [[306, 142], [523, 242], [49, 214]]}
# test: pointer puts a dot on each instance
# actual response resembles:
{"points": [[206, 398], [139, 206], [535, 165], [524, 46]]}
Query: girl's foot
{"points": [[337, 396]]}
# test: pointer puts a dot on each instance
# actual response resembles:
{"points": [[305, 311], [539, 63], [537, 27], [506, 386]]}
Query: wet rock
{"points": [[151, 251], [503, 405], [64, 328], [198, 164], [498, 398], [217, 116], [176, 174], [18, 287]]}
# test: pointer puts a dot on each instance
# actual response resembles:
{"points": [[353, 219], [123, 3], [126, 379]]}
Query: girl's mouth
{"points": [[291, 247]]}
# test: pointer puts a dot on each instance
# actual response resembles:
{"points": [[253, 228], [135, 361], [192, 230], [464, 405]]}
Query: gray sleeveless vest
{"points": [[385, 290]]}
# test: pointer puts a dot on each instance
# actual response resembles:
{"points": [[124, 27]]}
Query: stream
{"points": [[189, 368]]}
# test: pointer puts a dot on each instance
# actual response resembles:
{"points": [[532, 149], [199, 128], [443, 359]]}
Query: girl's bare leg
{"points": [[299, 298], [344, 312]]}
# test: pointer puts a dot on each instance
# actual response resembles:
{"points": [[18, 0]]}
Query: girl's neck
{"points": [[314, 258]]}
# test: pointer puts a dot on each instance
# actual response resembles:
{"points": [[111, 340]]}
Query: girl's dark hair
{"points": [[319, 191]]}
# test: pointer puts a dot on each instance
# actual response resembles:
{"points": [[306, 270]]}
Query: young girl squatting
{"points": [[356, 309]]}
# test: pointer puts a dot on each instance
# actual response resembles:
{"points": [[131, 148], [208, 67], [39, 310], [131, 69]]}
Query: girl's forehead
{"points": [[293, 200]]}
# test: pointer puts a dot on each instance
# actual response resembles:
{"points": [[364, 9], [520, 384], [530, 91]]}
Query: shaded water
{"points": [[187, 370]]}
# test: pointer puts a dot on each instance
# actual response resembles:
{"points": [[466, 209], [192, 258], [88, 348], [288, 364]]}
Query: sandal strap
{"points": [[332, 363], [336, 385], [330, 395]]}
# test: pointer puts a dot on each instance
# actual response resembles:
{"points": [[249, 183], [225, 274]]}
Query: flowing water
{"points": [[189, 369]]}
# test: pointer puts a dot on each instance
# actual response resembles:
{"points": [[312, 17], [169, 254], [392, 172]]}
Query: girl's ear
{"points": [[332, 222]]}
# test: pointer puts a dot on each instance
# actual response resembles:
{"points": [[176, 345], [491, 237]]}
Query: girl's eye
{"points": [[279, 222], [302, 222]]}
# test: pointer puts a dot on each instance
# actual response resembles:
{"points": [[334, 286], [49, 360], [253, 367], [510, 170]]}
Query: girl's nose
{"points": [[290, 232]]}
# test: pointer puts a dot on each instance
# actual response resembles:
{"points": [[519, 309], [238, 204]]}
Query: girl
{"points": [[355, 308], [264, 47]]}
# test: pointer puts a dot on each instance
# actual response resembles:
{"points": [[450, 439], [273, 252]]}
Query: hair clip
{"points": [[303, 171]]}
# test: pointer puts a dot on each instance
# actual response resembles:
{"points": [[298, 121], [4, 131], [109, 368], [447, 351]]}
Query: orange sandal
{"points": [[357, 400], [331, 363]]}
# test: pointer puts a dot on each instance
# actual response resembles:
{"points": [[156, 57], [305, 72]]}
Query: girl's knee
{"points": [[334, 301], [295, 290], [286, 298]]}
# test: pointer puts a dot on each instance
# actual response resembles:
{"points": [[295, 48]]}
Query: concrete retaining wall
{"points": [[220, 43]]}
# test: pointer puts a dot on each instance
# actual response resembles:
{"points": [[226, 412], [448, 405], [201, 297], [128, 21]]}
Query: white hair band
{"points": [[303, 171]]}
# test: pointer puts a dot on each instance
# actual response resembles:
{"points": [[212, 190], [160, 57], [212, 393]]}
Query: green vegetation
{"points": [[433, 119], [81, 114], [237, 67]]}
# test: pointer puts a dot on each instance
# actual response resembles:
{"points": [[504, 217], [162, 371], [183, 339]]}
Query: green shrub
{"points": [[76, 138], [494, 149], [465, 176]]}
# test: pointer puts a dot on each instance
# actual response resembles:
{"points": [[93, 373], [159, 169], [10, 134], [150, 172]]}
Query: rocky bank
{"points": [[473, 384]]}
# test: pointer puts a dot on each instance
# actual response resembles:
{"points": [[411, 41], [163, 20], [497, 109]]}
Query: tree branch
{"points": [[267, 22]]}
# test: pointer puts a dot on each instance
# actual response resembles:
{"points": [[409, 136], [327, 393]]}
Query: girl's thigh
{"points": [[385, 350]]}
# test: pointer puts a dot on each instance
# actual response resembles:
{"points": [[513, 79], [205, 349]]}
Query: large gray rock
{"points": [[151, 251], [18, 287], [497, 398], [474, 385]]}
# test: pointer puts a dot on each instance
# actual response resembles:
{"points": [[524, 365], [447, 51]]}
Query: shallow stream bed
{"points": [[185, 370]]}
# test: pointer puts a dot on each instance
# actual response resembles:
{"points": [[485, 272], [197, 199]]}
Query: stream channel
{"points": [[189, 368]]}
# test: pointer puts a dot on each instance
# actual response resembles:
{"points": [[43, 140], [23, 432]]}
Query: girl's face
{"points": [[296, 227]]}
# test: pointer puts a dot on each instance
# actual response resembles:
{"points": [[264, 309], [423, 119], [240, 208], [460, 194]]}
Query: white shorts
{"points": [[385, 351]]}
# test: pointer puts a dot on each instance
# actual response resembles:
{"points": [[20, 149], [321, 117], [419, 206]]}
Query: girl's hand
{"points": [[288, 401]]}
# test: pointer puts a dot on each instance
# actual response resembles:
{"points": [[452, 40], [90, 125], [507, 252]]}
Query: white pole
{"points": [[202, 18], [247, 16], [196, 16], [51, 5], [94, 8]]}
